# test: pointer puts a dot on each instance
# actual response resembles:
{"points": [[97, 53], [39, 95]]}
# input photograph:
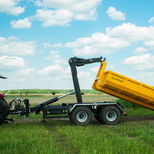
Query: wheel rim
{"points": [[111, 115], [82, 116]]}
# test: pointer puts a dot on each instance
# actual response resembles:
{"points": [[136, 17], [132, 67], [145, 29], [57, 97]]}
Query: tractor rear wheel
{"points": [[4, 108]]}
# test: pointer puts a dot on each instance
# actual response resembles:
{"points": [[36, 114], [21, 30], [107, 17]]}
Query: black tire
{"points": [[81, 116], [110, 115], [4, 108]]}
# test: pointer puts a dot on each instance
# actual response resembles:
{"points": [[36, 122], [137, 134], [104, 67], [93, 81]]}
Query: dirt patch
{"points": [[95, 122], [138, 119]]}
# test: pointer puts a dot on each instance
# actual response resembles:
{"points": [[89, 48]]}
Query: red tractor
{"points": [[4, 108]]}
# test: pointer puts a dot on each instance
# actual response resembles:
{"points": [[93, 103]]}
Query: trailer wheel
{"points": [[110, 115], [81, 116]]}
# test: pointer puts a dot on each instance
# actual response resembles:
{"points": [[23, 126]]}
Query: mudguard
{"points": [[1, 95]]}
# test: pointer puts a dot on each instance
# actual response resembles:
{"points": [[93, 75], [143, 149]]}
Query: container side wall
{"points": [[125, 88]]}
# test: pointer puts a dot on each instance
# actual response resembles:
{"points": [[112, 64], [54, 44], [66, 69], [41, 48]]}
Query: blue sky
{"points": [[37, 37]]}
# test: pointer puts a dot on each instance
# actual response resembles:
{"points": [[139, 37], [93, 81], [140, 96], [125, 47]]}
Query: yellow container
{"points": [[123, 87]]}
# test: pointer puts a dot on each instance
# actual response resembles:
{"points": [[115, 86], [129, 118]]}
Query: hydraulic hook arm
{"points": [[76, 62]]}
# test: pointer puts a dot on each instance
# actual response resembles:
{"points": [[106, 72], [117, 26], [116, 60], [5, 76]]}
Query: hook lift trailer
{"points": [[79, 113]]}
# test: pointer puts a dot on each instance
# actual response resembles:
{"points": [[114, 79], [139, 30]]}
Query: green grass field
{"points": [[133, 135]]}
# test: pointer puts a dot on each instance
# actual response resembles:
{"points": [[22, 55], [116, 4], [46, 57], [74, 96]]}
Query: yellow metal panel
{"points": [[123, 87]]}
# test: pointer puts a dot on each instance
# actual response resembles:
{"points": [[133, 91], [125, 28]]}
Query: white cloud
{"points": [[149, 43], [77, 5], [57, 74], [140, 50], [114, 14], [13, 46], [11, 62], [151, 20], [54, 17], [49, 45], [131, 32], [55, 58], [141, 62], [137, 59], [38, 3], [146, 77], [79, 42], [53, 69], [11, 7], [25, 71], [59, 65], [84, 74], [63, 12], [21, 23], [98, 43], [114, 39]]}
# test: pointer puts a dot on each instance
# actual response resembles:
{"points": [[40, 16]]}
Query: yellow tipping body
{"points": [[123, 87]]}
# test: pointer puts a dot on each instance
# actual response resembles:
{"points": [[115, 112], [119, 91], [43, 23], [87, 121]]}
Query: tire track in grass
{"points": [[60, 139], [138, 119]]}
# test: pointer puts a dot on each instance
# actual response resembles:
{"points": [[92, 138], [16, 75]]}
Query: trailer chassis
{"points": [[79, 113]]}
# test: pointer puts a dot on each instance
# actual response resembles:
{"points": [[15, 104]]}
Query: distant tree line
{"points": [[47, 91]]}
